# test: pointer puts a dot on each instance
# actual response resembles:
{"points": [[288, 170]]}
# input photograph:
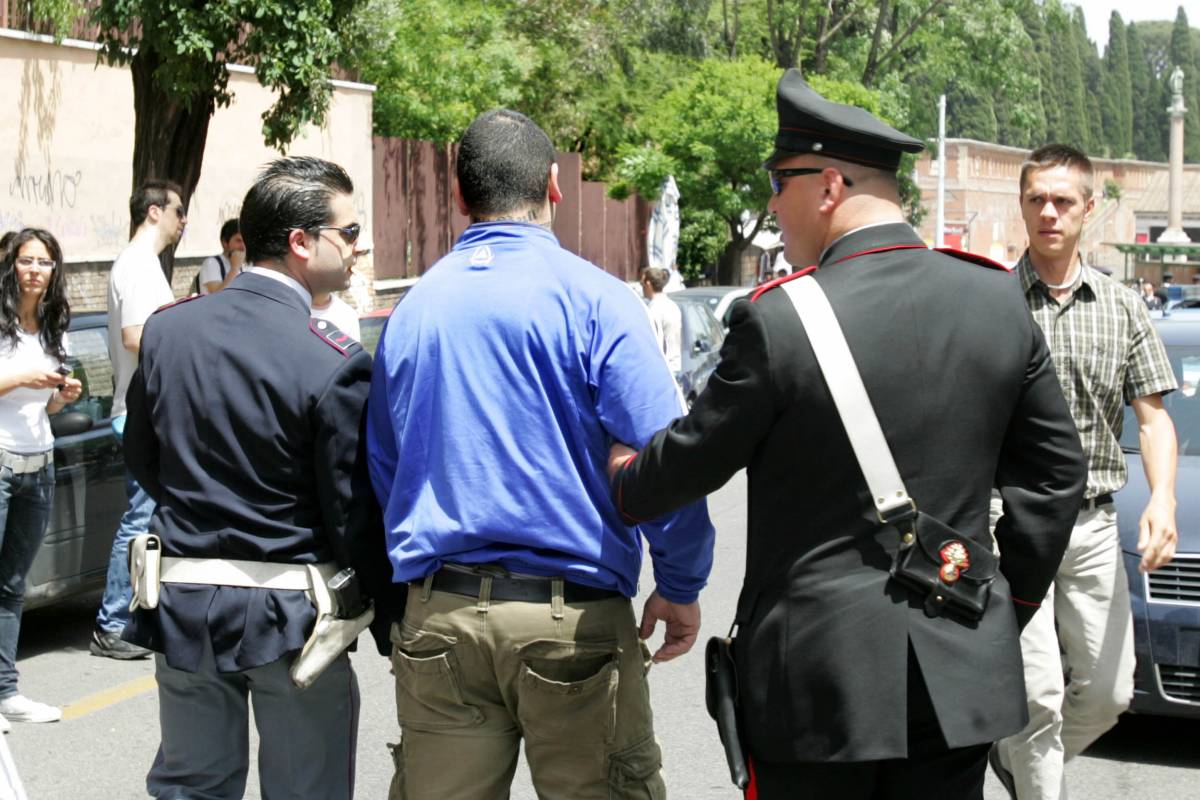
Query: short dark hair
{"points": [[229, 230], [290, 193], [1061, 155], [503, 163], [657, 277], [151, 193]]}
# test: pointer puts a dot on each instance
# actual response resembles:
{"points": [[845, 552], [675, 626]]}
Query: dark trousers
{"points": [[932, 770]]}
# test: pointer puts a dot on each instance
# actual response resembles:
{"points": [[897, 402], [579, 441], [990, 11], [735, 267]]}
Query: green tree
{"points": [[713, 132], [179, 51], [1117, 94], [1034, 22], [1144, 90], [1181, 55], [1092, 72], [1067, 85]]}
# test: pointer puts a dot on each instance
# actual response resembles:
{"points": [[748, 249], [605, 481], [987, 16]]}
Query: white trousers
{"points": [[1078, 678]]}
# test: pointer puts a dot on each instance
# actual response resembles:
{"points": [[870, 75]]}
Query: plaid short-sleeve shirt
{"points": [[1106, 354]]}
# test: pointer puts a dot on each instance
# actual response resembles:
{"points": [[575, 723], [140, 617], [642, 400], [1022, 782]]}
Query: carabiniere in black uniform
{"points": [[965, 392]]}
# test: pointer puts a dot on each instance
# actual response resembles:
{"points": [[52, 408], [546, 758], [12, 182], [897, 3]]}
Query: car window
{"points": [[371, 329], [87, 357], [1183, 404]]}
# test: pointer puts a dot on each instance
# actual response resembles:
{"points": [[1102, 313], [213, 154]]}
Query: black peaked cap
{"points": [[808, 123]]}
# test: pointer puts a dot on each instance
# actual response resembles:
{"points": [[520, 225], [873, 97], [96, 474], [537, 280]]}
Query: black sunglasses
{"points": [[349, 233], [776, 176]]}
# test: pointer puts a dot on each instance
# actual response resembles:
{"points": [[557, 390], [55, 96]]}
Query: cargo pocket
{"points": [[396, 790], [568, 690], [635, 773], [428, 690]]}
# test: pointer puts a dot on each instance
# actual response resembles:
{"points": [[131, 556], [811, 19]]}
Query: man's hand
{"points": [[683, 624], [1157, 536], [617, 456]]}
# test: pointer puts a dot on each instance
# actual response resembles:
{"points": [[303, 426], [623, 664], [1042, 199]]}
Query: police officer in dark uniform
{"points": [[848, 688], [243, 425]]}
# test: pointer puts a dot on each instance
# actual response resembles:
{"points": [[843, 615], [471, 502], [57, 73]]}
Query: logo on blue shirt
{"points": [[482, 256]]}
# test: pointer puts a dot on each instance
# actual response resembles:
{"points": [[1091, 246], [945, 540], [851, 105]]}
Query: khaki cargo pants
{"points": [[474, 678]]}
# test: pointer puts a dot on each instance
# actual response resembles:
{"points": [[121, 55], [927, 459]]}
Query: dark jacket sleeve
{"points": [[1041, 476], [140, 444], [349, 510], [697, 454]]}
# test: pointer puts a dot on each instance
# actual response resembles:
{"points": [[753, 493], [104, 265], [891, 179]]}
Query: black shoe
{"points": [[111, 645], [1003, 775]]}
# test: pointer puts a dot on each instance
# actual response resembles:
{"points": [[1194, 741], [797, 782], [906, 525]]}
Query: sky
{"points": [[1097, 12]]}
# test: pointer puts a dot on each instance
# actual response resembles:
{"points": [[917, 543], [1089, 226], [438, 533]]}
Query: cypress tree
{"points": [[1181, 56], [970, 113], [1035, 25], [1067, 87], [1117, 97], [1148, 112], [1091, 73]]}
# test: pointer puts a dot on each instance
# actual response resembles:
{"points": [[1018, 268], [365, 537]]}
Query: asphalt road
{"points": [[103, 747]]}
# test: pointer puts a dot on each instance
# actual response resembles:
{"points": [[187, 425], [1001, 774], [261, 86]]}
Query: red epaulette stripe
{"points": [[889, 248], [1026, 602], [178, 302], [974, 258], [780, 281], [324, 338]]}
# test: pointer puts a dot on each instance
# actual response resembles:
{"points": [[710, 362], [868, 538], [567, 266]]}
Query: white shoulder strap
{"points": [[850, 396]]}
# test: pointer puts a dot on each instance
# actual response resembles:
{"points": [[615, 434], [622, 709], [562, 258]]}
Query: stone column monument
{"points": [[1174, 234]]}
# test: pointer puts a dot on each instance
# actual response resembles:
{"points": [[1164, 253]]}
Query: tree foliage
{"points": [[179, 53]]}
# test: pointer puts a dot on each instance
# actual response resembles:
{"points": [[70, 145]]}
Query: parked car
{"points": [[89, 491], [719, 299], [701, 341], [1166, 602], [370, 325]]}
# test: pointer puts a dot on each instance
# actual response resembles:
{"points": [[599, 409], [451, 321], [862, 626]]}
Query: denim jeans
{"points": [[118, 591], [24, 511]]}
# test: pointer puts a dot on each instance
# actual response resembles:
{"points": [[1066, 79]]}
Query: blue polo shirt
{"points": [[500, 382]]}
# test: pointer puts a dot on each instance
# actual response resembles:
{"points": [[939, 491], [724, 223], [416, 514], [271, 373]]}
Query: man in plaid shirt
{"points": [[1106, 354]]}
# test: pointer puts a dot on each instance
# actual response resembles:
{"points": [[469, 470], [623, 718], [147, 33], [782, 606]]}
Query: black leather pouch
{"points": [[720, 695], [952, 572]]}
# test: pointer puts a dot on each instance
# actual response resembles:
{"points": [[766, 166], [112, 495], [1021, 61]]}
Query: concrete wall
{"points": [[66, 147]]}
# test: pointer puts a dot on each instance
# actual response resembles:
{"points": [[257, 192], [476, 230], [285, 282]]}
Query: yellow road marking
{"points": [[108, 697]]}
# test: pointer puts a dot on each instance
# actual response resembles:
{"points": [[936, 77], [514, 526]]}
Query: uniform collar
{"points": [[286, 280], [870, 237], [275, 285]]}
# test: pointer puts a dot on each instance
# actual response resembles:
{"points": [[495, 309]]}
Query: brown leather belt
{"points": [[525, 590]]}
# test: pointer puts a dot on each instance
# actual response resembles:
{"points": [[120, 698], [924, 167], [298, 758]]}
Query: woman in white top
{"points": [[33, 322]]}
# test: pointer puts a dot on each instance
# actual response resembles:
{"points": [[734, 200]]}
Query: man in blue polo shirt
{"points": [[499, 383]]}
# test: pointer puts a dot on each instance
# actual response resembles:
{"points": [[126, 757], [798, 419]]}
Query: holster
{"points": [[330, 635], [145, 570], [950, 571], [721, 697]]}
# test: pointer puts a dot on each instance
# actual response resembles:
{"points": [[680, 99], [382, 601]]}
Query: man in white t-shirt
{"points": [[217, 271], [665, 314], [334, 309], [137, 288]]}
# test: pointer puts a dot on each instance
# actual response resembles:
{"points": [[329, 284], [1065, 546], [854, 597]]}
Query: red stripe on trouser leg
{"points": [[752, 789]]}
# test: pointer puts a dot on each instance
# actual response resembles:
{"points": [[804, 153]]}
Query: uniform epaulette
{"points": [[333, 336], [974, 258], [800, 273], [178, 302]]}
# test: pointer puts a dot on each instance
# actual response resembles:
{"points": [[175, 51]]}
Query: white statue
{"points": [[1176, 84]]}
